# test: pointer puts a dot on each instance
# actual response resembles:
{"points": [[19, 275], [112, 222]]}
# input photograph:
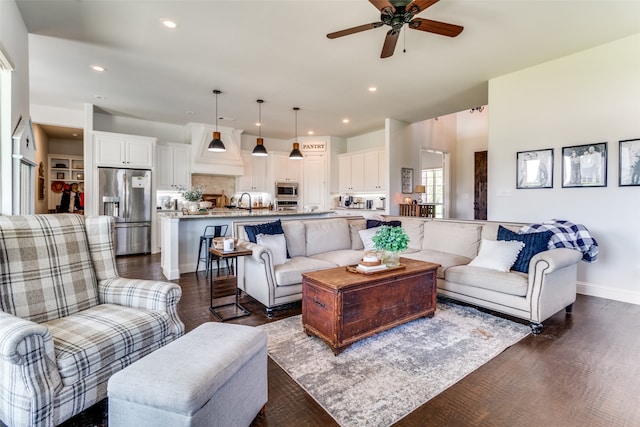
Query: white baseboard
{"points": [[608, 293]]}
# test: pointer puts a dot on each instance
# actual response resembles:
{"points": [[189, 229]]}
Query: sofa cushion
{"points": [[356, 240], [512, 283], [295, 236], [290, 273], [277, 244], [252, 231], [367, 238], [497, 255], [327, 235], [490, 229], [453, 238], [414, 229], [341, 257], [533, 243], [90, 340], [46, 267], [445, 260], [373, 223]]}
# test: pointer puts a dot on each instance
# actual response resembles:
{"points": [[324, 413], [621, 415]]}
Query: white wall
{"points": [[588, 97], [162, 131], [14, 40], [472, 136], [366, 141]]}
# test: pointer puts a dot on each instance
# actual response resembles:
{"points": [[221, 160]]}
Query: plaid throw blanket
{"points": [[567, 235]]}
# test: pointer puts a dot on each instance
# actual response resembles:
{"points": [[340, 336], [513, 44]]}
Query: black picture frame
{"points": [[406, 179], [629, 163], [534, 169], [584, 165], [60, 175]]}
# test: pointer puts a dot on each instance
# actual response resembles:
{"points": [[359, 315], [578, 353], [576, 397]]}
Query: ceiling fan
{"points": [[396, 13]]}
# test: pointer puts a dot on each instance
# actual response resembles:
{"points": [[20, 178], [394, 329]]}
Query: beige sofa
{"points": [[315, 244]]}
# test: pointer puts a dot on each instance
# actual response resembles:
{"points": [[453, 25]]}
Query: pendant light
{"points": [[216, 143], [259, 149], [295, 153]]}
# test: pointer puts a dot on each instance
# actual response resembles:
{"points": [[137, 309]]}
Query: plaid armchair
{"points": [[67, 320]]}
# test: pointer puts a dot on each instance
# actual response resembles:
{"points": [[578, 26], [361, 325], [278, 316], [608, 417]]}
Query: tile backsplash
{"points": [[215, 184]]}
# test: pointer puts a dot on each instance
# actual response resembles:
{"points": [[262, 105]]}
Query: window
{"points": [[433, 180]]}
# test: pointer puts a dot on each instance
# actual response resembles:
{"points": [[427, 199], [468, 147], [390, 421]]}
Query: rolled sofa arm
{"points": [[146, 294], [14, 331], [555, 259], [260, 253]]}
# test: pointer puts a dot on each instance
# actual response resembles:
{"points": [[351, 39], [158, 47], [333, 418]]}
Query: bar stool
{"points": [[210, 232]]}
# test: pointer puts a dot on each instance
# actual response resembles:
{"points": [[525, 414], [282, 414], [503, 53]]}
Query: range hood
{"points": [[204, 161]]}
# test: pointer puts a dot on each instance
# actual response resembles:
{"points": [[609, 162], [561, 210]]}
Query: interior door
{"points": [[480, 186]]}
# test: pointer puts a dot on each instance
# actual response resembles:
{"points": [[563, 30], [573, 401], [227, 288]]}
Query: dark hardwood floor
{"points": [[582, 370]]}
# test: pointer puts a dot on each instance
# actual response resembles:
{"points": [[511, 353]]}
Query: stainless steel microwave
{"points": [[286, 190]]}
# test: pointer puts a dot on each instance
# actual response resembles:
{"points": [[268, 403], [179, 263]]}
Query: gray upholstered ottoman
{"points": [[216, 375]]}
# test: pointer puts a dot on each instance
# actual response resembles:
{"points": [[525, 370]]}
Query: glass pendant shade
{"points": [[295, 153], [259, 149], [216, 143]]}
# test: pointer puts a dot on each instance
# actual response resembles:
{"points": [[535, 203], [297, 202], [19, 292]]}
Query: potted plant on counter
{"points": [[192, 195], [391, 240]]}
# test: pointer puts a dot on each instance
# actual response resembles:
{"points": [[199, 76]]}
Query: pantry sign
{"points": [[313, 147]]}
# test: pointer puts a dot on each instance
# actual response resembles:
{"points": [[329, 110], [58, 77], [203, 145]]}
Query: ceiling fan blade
{"points": [[354, 30], [436, 27], [381, 5], [417, 6], [390, 43]]}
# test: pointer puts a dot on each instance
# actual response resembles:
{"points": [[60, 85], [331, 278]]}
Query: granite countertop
{"points": [[234, 213]]}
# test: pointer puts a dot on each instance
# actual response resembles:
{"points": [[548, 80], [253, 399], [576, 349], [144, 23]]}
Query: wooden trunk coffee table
{"points": [[342, 307]]}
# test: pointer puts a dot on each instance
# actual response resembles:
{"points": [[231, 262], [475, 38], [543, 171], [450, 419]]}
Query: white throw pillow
{"points": [[367, 236], [497, 254], [277, 244]]}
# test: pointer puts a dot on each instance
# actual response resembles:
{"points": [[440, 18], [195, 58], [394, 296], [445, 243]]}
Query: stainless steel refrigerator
{"points": [[125, 194]]}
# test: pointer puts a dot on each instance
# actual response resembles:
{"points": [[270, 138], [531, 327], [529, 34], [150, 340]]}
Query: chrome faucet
{"points": [[240, 200]]}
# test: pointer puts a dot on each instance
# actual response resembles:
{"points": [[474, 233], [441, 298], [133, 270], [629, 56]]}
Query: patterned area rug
{"points": [[379, 380]]}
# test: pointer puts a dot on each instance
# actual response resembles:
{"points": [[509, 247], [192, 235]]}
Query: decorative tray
{"points": [[354, 269]]}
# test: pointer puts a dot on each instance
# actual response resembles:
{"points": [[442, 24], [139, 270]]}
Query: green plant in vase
{"points": [[192, 195], [391, 240]]}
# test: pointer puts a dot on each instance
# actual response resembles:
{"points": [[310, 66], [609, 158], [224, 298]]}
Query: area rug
{"points": [[379, 380]]}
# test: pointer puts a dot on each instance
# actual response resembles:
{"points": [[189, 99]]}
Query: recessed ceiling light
{"points": [[310, 132], [74, 134], [345, 120], [372, 88], [169, 23], [98, 68], [258, 124], [189, 113], [100, 97]]}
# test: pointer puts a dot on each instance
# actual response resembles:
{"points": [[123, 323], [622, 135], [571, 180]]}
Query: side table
{"points": [[240, 310]]}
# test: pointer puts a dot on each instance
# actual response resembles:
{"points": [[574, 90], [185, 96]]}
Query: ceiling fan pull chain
{"points": [[404, 42]]}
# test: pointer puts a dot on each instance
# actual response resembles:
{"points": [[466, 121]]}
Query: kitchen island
{"points": [[180, 233]]}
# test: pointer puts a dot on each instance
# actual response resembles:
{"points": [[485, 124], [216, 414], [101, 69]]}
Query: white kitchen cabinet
{"points": [[351, 173], [172, 166], [375, 171], [314, 191], [120, 150], [362, 172], [256, 173], [285, 169]]}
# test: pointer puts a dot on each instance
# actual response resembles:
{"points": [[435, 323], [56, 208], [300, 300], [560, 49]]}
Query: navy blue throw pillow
{"points": [[371, 223], [274, 227], [252, 231], [533, 244]]}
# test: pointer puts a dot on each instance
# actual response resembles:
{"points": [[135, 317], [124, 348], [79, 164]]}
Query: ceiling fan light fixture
{"points": [[216, 145], [259, 150], [295, 153]]}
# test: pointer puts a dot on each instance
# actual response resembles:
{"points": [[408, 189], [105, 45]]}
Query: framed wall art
{"points": [[534, 169], [584, 165], [629, 163], [407, 180]]}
